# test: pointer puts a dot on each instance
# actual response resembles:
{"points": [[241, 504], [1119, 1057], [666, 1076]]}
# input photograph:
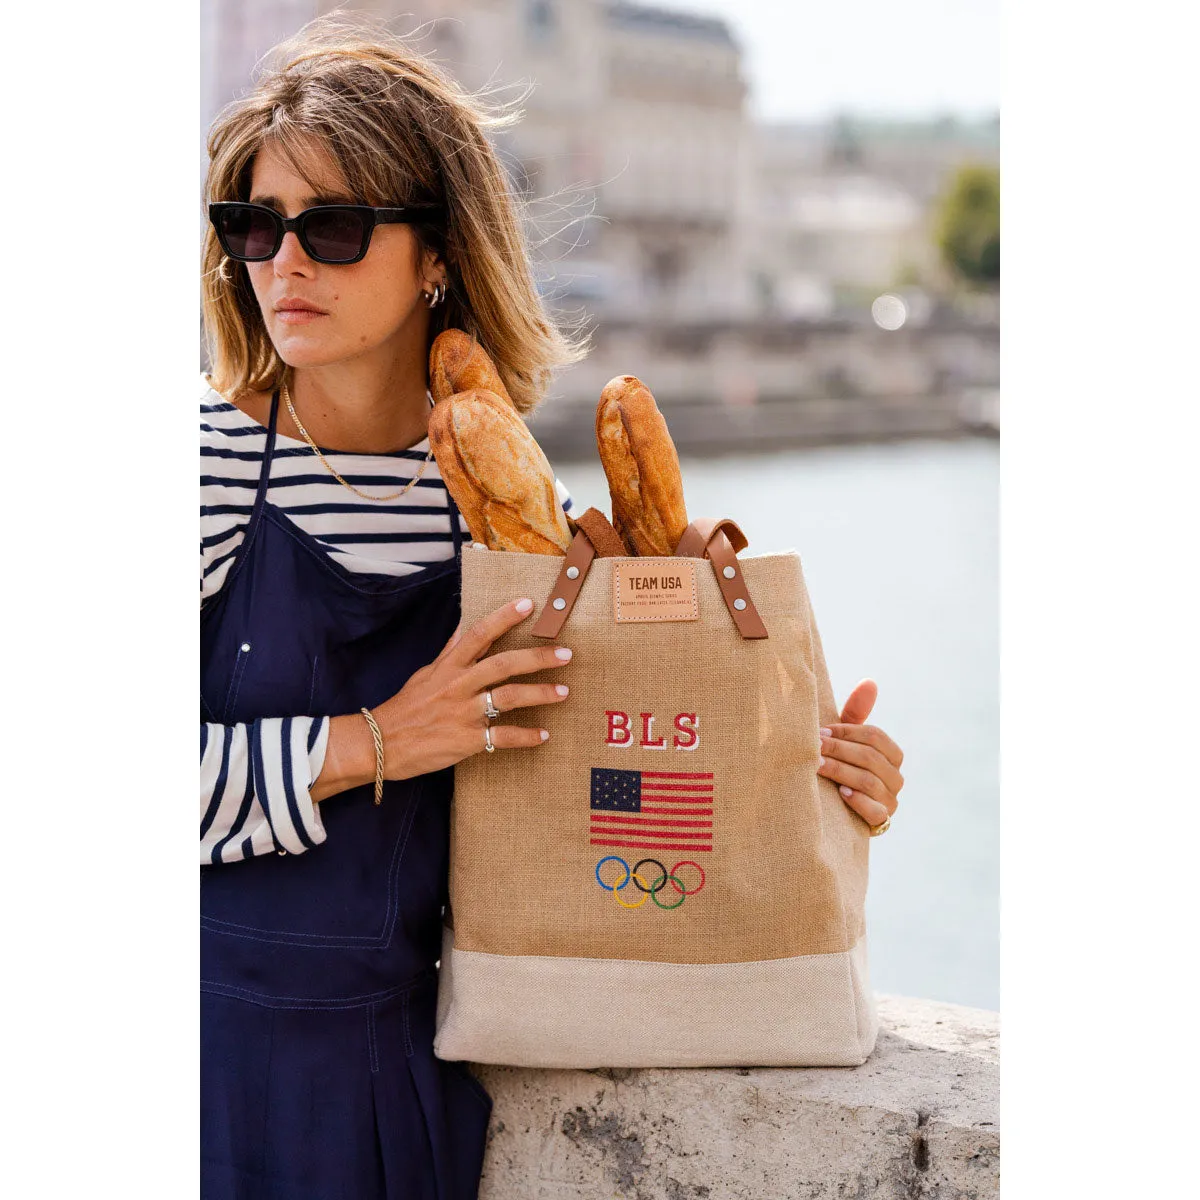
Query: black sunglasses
{"points": [[329, 233]]}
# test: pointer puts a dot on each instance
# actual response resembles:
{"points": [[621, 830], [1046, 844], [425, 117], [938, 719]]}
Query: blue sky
{"points": [[877, 57]]}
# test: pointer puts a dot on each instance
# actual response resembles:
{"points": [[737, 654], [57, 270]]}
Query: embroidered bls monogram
{"points": [[620, 731]]}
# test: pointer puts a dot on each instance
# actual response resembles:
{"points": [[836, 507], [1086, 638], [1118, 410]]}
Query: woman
{"points": [[359, 209]]}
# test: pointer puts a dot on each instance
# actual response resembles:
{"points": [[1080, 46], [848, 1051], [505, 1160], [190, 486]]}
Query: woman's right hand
{"points": [[439, 716]]}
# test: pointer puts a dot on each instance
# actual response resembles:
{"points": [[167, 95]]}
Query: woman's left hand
{"points": [[861, 759]]}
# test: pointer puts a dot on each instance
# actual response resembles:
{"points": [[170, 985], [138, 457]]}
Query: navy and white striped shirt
{"points": [[247, 770]]}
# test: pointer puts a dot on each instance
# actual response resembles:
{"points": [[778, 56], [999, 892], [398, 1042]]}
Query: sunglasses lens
{"points": [[247, 232], [335, 236]]}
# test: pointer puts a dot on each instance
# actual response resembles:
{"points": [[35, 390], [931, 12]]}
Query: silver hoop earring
{"points": [[439, 294]]}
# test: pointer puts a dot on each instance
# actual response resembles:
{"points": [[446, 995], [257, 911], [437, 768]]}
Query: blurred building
{"points": [[677, 193], [635, 148], [847, 207], [652, 196]]}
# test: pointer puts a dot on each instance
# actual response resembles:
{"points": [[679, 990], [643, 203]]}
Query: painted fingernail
{"points": [[846, 791], [523, 606], [563, 653], [561, 689], [545, 734], [827, 733]]}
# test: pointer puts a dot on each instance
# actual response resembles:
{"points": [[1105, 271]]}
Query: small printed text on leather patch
{"points": [[655, 589]]}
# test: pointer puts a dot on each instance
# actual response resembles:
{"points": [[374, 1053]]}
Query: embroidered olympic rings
{"points": [[652, 891]]}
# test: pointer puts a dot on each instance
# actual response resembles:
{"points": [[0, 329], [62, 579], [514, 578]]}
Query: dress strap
{"points": [[242, 553], [264, 475]]}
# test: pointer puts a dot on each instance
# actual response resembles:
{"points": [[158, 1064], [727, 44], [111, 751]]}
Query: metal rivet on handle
{"points": [[572, 572], [559, 603], [728, 572], [739, 604]]}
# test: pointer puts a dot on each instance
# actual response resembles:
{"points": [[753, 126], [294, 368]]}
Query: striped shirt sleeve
{"points": [[254, 787], [255, 777], [564, 496]]}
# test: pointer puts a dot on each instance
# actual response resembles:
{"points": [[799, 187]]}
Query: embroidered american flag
{"points": [[652, 810]]}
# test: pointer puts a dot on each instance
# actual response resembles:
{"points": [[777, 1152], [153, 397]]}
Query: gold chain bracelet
{"points": [[378, 739]]}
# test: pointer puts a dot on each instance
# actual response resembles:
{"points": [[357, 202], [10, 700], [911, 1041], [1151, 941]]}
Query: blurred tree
{"points": [[968, 224], [907, 274]]}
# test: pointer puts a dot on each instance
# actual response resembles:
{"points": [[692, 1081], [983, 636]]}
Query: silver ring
{"points": [[487, 739], [492, 711]]}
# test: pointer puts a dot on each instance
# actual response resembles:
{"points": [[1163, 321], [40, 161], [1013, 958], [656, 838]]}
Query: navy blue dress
{"points": [[318, 975]]}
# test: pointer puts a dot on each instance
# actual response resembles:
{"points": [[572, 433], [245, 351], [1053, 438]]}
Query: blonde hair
{"points": [[402, 133]]}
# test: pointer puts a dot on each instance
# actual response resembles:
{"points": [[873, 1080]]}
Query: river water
{"points": [[899, 545]]}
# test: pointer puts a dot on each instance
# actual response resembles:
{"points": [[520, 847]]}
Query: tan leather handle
{"points": [[700, 532], [594, 535], [720, 541], [602, 534]]}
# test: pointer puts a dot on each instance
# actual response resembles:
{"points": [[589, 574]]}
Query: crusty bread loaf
{"points": [[497, 474], [458, 363], [642, 467]]}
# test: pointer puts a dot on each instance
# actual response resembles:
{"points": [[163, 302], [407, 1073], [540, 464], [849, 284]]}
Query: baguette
{"points": [[642, 468], [458, 363], [497, 474]]}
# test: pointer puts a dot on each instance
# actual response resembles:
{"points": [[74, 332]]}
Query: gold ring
{"points": [[876, 830]]}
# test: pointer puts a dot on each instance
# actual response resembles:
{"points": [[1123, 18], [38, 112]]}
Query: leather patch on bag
{"points": [[655, 589]]}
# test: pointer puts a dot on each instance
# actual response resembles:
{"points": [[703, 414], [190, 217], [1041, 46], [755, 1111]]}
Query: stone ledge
{"points": [[920, 1118]]}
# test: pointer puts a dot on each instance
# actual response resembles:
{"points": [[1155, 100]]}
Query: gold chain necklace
{"points": [[287, 399]]}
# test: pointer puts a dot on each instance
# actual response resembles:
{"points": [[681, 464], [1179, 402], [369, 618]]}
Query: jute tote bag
{"points": [[667, 881]]}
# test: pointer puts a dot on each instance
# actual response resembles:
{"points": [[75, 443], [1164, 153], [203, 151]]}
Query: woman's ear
{"points": [[433, 269]]}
